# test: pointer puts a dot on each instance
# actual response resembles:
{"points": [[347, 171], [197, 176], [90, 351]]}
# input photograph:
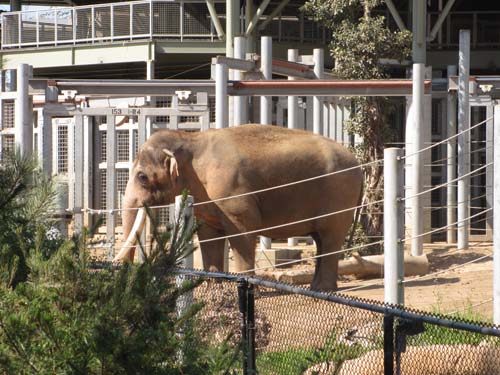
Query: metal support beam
{"points": [[79, 135], [463, 140], [215, 19], [260, 11], [451, 192], [440, 20], [232, 24], [273, 14], [419, 14], [395, 15]]}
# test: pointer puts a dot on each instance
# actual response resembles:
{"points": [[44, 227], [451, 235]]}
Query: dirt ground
{"points": [[455, 289]]}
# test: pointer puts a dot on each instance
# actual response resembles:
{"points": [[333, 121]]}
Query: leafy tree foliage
{"points": [[360, 39], [60, 314]]}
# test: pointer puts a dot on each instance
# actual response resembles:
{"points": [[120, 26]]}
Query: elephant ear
{"points": [[170, 164]]}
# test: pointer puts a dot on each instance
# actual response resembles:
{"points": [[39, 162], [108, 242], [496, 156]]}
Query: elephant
{"points": [[241, 159]]}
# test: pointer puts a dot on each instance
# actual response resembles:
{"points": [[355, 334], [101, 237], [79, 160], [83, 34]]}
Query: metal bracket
{"points": [[407, 327]]}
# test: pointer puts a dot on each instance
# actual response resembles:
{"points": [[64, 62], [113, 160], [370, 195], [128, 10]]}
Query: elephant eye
{"points": [[143, 179]]}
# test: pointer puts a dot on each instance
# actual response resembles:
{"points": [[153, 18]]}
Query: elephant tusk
{"points": [[137, 228]]}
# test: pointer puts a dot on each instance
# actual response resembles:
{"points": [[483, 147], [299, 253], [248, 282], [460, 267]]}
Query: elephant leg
{"points": [[326, 271], [212, 252], [244, 252]]}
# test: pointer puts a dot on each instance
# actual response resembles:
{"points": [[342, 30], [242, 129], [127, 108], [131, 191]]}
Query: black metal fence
{"points": [[282, 329]]}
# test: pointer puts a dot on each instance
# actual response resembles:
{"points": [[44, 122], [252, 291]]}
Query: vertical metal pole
{"points": [[221, 98], [251, 329], [243, 306], [45, 140], [388, 344], [319, 63], [266, 101], [393, 221], [240, 102], [79, 170], [490, 131], [451, 192], [419, 10], [88, 186], [293, 108], [249, 13], [111, 183], [232, 24], [496, 217], [266, 68], [416, 159], [463, 140], [23, 127]]}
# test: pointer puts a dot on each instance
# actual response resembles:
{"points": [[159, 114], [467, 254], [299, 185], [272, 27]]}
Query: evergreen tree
{"points": [[60, 314]]}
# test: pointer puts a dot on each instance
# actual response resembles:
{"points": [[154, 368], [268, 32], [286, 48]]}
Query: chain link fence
{"points": [[281, 329]]}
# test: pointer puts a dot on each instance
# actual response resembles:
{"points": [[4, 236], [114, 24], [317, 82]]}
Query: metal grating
{"points": [[121, 185], [122, 147], [83, 23], [196, 19], [103, 145], [189, 119], [211, 108], [28, 27], [10, 28], [140, 19], [64, 17], [121, 20], [166, 18], [7, 143], [8, 111], [136, 142], [102, 200], [62, 149], [163, 102], [102, 22]]}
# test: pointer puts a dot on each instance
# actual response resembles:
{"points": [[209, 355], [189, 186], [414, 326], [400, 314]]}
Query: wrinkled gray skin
{"points": [[221, 163]]}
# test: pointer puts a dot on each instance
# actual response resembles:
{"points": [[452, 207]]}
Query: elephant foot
{"points": [[319, 285]]}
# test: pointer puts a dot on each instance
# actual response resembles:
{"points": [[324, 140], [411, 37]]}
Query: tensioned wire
{"points": [[91, 210], [446, 139]]}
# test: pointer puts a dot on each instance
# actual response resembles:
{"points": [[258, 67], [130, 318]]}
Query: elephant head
{"points": [[153, 181]]}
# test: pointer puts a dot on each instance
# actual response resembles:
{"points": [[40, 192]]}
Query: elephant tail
{"points": [[357, 214]]}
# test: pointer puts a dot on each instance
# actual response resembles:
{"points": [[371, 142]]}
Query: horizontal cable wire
{"points": [[446, 183], [446, 226], [290, 223], [470, 307], [447, 139], [91, 210]]}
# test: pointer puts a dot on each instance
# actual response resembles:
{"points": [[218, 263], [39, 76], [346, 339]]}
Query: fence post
{"points": [[293, 115], [221, 98], [319, 63], [496, 217], [393, 224], [23, 128], [451, 195], [251, 329], [242, 303], [240, 102], [463, 141], [416, 160], [266, 117], [388, 344]]}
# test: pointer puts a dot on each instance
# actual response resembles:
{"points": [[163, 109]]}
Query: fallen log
{"points": [[371, 266]]}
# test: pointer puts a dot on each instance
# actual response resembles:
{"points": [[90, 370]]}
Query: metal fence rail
{"points": [[146, 19], [284, 329]]}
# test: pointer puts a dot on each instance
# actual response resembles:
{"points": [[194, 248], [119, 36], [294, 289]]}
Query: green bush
{"points": [[61, 315]]}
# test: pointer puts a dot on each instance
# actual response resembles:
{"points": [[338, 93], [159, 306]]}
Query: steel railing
{"points": [[146, 19]]}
